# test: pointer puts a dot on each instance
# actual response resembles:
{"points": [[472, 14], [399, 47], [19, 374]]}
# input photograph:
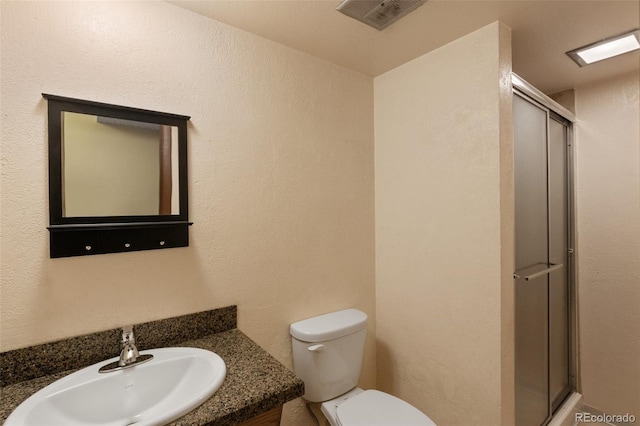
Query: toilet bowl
{"points": [[327, 356]]}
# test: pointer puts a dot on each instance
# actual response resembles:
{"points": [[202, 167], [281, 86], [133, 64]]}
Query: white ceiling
{"points": [[542, 31]]}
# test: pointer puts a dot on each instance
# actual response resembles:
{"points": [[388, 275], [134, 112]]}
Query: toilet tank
{"points": [[327, 352]]}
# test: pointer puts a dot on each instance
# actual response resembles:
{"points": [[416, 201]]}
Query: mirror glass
{"points": [[118, 167]]}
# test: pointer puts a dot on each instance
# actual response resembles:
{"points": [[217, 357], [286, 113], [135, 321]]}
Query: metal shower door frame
{"points": [[565, 117]]}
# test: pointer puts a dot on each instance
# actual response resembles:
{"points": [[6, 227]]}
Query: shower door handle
{"points": [[550, 267]]}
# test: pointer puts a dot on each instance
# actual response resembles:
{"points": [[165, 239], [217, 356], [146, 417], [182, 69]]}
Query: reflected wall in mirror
{"points": [[117, 178], [117, 167]]}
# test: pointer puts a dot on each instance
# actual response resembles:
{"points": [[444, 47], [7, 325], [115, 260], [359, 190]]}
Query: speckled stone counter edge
{"points": [[71, 354]]}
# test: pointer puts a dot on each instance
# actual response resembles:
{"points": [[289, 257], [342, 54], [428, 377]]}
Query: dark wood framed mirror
{"points": [[117, 178]]}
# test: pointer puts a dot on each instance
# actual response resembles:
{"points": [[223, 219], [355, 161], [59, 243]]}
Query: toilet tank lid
{"points": [[329, 326]]}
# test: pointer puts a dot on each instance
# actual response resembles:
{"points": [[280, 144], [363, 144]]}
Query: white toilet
{"points": [[327, 356]]}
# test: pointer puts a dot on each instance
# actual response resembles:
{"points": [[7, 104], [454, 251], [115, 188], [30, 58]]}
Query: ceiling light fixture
{"points": [[378, 14], [605, 49]]}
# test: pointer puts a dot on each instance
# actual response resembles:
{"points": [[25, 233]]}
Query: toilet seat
{"points": [[375, 408]]}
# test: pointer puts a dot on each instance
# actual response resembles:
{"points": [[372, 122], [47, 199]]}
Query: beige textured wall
{"points": [[280, 176], [608, 236], [444, 230]]}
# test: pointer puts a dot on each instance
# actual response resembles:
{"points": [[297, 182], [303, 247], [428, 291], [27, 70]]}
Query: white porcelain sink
{"points": [[174, 382]]}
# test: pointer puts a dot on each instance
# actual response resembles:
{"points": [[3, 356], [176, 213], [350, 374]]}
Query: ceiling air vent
{"points": [[378, 14]]}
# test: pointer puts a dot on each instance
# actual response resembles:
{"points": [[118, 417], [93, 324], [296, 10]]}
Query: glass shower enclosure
{"points": [[543, 260]]}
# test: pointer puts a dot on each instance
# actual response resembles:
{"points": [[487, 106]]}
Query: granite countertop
{"points": [[255, 382]]}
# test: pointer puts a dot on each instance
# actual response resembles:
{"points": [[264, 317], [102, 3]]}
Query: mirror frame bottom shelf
{"points": [[74, 240]]}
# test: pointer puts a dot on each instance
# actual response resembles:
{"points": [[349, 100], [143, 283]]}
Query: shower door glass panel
{"points": [[559, 385], [531, 237]]}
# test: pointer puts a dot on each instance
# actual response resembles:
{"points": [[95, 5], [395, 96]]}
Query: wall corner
{"points": [[507, 227]]}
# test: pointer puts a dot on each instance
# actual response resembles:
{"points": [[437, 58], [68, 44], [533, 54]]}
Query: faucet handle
{"points": [[127, 336]]}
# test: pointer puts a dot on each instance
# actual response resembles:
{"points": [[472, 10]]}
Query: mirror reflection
{"points": [[117, 167]]}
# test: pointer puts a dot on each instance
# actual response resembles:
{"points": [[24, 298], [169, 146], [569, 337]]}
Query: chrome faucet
{"points": [[128, 350], [129, 355]]}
